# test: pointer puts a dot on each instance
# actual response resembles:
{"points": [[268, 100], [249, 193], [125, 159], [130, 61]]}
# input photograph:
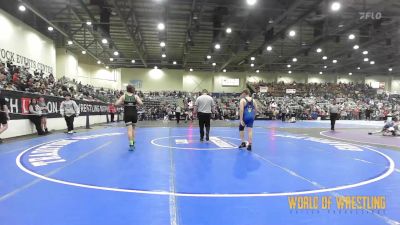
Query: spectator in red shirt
{"points": [[112, 110], [15, 77]]}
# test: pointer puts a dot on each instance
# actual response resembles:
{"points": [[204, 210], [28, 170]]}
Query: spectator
{"points": [[112, 110], [69, 110], [4, 116], [45, 111], [35, 115]]}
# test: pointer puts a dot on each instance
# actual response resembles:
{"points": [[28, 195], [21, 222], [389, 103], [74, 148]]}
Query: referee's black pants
{"points": [[334, 117], [204, 120]]}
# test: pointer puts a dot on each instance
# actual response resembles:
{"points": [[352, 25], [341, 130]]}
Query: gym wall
{"points": [[167, 79], [21, 44], [69, 65], [20, 40]]}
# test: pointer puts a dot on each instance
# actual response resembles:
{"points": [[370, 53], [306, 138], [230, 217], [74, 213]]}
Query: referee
{"points": [[333, 111], [203, 107]]}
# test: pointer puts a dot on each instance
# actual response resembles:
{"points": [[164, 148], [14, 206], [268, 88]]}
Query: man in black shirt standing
{"points": [[4, 117]]}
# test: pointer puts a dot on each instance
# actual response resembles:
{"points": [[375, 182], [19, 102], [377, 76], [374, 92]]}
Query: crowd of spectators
{"points": [[17, 78], [310, 101]]}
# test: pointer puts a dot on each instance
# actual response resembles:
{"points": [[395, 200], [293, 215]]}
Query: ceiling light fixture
{"points": [[161, 26], [335, 6], [22, 8], [251, 2]]}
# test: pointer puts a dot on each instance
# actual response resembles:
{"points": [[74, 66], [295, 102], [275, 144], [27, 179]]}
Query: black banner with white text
{"points": [[18, 105]]}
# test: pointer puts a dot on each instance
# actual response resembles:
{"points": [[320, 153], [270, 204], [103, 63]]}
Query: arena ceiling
{"points": [[194, 27]]}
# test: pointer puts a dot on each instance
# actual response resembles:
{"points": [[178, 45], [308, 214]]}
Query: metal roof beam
{"points": [[101, 32], [352, 26], [56, 27], [135, 42], [281, 18]]}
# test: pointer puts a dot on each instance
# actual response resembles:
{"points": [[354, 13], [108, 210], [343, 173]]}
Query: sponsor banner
{"points": [[290, 91], [18, 104], [231, 82], [263, 89]]}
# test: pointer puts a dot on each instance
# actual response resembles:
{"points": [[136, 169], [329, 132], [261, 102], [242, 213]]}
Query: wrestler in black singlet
{"points": [[130, 110]]}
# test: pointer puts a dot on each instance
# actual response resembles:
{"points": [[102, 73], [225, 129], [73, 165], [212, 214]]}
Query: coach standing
{"points": [[333, 111], [203, 108]]}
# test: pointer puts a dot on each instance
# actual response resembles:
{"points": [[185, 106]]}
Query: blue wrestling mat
{"points": [[173, 178]]}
